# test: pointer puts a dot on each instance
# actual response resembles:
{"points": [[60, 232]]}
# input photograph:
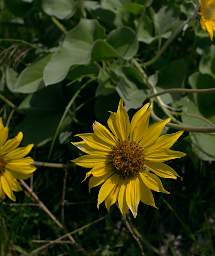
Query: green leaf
{"points": [[102, 51], [165, 21], [207, 62], [61, 9], [80, 71], [43, 111], [106, 85], [127, 88], [132, 96], [133, 8], [145, 30], [202, 144], [31, 78], [75, 50], [124, 41], [205, 101]]}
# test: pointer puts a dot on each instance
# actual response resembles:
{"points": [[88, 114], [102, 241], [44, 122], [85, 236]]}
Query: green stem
{"points": [[58, 25], [12, 40], [188, 128], [182, 90], [64, 116], [8, 102]]}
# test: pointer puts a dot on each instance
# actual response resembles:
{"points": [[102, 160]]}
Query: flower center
{"points": [[128, 159], [2, 166]]}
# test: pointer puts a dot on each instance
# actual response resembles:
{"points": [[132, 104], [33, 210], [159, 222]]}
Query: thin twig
{"points": [[179, 125], [135, 237], [154, 90], [43, 247], [49, 241], [63, 194], [187, 128], [181, 90], [42, 206], [52, 165]]}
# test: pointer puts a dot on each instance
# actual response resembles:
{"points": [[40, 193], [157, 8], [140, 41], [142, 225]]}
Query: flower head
{"points": [[207, 16], [127, 159], [13, 163]]}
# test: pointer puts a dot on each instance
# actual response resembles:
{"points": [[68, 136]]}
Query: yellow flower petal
{"points": [[89, 161], [153, 132], [112, 124], [152, 182], [103, 133], [2, 194], [133, 195], [18, 153], [101, 169], [95, 143], [122, 121], [96, 181], [106, 189], [162, 170], [122, 198], [112, 197], [164, 142], [119, 123], [3, 133], [81, 145], [140, 122], [11, 144], [14, 184], [146, 195], [6, 188], [164, 155], [21, 168]]}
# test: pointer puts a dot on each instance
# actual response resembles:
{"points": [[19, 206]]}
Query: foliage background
{"points": [[64, 64]]}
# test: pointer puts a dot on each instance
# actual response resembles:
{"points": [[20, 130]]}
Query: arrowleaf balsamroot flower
{"points": [[13, 163], [207, 16], [127, 159]]}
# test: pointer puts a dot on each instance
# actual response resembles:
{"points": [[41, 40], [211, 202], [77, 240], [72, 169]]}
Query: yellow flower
{"points": [[128, 158], [207, 14], [13, 163]]}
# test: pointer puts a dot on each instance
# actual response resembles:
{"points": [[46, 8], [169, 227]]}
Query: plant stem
{"points": [[51, 165], [42, 206], [12, 40], [8, 102], [182, 90], [58, 25], [65, 114]]}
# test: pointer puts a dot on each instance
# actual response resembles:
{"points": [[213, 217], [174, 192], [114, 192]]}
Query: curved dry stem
{"points": [[187, 128], [182, 90], [42, 206]]}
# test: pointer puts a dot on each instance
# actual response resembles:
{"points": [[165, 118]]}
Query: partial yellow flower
{"points": [[207, 16], [13, 163], [128, 158]]}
